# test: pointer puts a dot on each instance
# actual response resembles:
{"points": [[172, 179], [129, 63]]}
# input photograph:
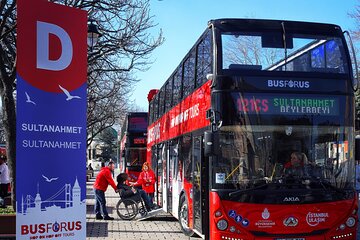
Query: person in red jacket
{"points": [[147, 181], [103, 179]]}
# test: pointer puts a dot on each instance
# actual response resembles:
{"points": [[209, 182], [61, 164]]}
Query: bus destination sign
{"points": [[286, 104], [139, 141]]}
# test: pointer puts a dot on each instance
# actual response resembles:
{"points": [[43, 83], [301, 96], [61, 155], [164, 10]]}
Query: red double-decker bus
{"points": [[133, 144], [252, 136]]}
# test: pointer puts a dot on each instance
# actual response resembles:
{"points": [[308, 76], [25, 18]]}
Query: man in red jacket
{"points": [[103, 179]]}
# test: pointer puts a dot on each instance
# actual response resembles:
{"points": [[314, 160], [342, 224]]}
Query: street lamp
{"points": [[93, 34]]}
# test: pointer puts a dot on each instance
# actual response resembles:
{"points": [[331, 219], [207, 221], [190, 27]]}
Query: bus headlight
{"points": [[350, 222], [342, 227], [354, 212], [218, 214], [222, 224]]}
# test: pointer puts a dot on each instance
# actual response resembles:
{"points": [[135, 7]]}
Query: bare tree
{"points": [[247, 50], [7, 82], [355, 34], [125, 47], [355, 14]]}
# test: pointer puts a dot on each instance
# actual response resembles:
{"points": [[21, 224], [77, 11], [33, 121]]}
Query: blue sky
{"points": [[183, 21]]}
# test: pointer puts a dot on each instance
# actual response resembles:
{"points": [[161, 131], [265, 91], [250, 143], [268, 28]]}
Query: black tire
{"points": [[184, 216], [127, 209], [143, 212]]}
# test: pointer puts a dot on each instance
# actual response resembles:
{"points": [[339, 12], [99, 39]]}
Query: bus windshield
{"points": [[276, 51], [258, 156], [136, 157]]}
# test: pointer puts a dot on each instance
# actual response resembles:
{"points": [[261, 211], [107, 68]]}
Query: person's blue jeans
{"points": [[151, 197], [100, 205], [145, 198]]}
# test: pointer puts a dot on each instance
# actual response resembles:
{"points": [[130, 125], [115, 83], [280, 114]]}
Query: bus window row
{"points": [[188, 76]]}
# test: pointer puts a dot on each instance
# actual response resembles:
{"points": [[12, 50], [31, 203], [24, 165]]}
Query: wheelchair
{"points": [[129, 208]]}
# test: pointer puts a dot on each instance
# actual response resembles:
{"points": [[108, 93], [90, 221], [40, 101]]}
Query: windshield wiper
{"points": [[327, 185]]}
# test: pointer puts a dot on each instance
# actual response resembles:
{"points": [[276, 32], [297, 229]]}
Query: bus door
{"points": [[165, 173], [197, 157], [158, 168], [175, 174]]}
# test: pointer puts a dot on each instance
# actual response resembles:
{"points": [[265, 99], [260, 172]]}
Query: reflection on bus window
{"points": [[260, 153], [136, 157], [306, 53]]}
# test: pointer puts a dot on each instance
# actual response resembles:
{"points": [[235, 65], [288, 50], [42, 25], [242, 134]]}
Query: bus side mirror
{"points": [[211, 143], [357, 149]]}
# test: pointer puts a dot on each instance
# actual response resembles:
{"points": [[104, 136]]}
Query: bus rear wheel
{"points": [[184, 216]]}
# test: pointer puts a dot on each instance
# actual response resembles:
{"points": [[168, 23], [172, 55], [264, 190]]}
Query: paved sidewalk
{"points": [[162, 226]]}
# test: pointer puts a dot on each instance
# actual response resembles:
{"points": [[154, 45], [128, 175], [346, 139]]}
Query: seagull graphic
{"points": [[28, 100], [69, 96], [49, 180]]}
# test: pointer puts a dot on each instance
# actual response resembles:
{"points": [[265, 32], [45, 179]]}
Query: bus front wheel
{"points": [[184, 216]]}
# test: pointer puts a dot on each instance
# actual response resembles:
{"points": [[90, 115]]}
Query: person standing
{"points": [[103, 180], [4, 180], [147, 181]]}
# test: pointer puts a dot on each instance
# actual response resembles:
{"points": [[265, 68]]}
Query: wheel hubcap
{"points": [[184, 216]]}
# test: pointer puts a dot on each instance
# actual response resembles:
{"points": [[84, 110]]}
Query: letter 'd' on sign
{"points": [[43, 30]]}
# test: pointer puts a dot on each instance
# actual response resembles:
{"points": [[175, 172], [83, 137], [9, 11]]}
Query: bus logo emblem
{"points": [[288, 84], [291, 222], [265, 214], [291, 199]]}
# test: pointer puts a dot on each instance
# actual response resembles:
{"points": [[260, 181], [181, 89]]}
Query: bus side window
{"points": [[168, 94], [185, 156], [177, 86], [189, 74], [161, 101], [156, 107], [151, 112], [204, 56]]}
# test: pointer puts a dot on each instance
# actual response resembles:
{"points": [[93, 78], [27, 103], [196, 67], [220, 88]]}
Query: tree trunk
{"points": [[9, 121]]}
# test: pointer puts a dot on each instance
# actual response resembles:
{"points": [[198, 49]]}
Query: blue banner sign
{"points": [[51, 122]]}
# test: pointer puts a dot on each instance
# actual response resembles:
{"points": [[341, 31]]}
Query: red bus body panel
{"points": [[189, 195], [189, 115], [272, 221], [185, 117]]}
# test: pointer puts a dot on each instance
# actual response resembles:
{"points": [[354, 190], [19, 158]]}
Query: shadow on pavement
{"points": [[99, 229], [161, 219]]}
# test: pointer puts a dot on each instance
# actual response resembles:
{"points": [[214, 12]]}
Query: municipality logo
{"points": [[265, 214]]}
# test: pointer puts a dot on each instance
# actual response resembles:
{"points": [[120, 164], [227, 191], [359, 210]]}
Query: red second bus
{"points": [[252, 136], [133, 144]]}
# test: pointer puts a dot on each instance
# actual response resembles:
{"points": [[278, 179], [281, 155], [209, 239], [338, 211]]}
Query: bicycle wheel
{"points": [[127, 209]]}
